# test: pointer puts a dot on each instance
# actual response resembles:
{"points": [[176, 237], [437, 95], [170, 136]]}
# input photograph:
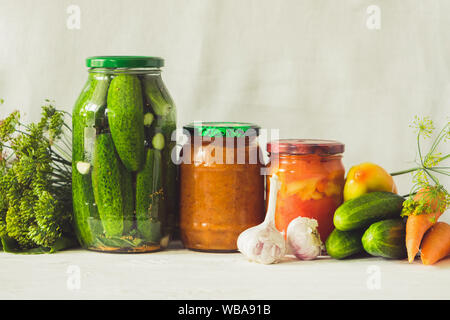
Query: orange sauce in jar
{"points": [[312, 177], [221, 191]]}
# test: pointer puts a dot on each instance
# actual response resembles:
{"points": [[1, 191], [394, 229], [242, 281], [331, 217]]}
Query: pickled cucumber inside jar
{"points": [[312, 177]]}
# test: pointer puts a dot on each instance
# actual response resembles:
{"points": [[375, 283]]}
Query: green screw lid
{"points": [[124, 62], [222, 129]]}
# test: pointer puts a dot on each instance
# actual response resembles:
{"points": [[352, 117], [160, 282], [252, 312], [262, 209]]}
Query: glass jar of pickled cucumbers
{"points": [[124, 182]]}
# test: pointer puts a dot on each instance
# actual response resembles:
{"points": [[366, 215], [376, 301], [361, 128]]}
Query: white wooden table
{"points": [[182, 274]]}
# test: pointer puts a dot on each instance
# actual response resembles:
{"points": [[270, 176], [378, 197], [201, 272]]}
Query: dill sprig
{"points": [[35, 180], [430, 165]]}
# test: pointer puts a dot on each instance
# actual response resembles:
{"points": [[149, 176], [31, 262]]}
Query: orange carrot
{"points": [[436, 243], [417, 225]]}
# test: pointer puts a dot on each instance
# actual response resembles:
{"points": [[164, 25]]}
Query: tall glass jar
{"points": [[222, 188], [312, 181], [124, 182]]}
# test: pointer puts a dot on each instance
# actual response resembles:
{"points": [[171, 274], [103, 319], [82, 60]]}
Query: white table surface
{"points": [[182, 274]]}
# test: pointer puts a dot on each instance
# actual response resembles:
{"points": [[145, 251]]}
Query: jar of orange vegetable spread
{"points": [[312, 177], [222, 188]]}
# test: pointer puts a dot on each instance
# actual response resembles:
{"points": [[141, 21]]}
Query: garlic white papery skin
{"points": [[303, 238], [264, 243]]}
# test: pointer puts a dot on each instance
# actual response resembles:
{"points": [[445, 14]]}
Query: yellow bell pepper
{"points": [[367, 177]]}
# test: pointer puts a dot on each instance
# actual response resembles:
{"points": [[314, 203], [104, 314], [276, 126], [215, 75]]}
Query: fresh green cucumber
{"points": [[371, 207], [149, 197], [126, 119], [343, 244], [386, 239], [83, 121], [111, 186]]}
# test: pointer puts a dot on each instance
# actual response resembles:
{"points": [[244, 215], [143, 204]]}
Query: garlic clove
{"points": [[83, 167], [303, 239]]}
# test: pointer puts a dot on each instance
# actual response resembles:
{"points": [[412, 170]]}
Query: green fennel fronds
{"points": [[35, 180], [430, 165]]}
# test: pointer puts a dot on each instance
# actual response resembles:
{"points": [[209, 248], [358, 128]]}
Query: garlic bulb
{"points": [[303, 239], [264, 243]]}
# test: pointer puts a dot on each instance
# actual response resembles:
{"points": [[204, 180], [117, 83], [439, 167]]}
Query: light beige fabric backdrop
{"points": [[313, 69]]}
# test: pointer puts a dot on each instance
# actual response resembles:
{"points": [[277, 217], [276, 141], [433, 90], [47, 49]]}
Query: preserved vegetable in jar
{"points": [[312, 177], [124, 182], [222, 188]]}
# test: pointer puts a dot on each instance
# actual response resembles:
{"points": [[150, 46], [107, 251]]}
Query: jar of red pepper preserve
{"points": [[312, 177]]}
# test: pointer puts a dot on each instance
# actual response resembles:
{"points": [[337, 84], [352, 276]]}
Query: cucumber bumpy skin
{"points": [[386, 239], [149, 197], [361, 212], [88, 103], [111, 187], [126, 119], [343, 244]]}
